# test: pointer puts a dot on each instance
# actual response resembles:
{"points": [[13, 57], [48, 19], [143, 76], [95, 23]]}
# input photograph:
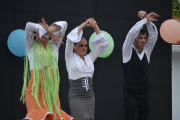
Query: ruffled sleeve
{"points": [[61, 32], [72, 37], [99, 46], [29, 36]]}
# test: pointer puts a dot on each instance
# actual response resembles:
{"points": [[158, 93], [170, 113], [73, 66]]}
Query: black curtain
{"points": [[114, 16]]}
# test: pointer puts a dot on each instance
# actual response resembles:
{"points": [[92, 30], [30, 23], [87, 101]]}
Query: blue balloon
{"points": [[16, 42]]}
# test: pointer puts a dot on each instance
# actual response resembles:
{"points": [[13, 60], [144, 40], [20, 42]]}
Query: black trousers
{"points": [[136, 105]]}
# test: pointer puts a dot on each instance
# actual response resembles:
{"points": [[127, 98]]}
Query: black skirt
{"points": [[81, 99]]}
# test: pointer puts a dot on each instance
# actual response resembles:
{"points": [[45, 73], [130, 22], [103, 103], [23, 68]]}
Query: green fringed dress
{"points": [[40, 88]]}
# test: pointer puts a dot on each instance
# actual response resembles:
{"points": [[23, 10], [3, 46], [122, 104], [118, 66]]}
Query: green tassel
{"points": [[43, 77], [26, 79]]}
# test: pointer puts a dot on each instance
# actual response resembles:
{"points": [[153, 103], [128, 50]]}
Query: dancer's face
{"points": [[140, 41], [81, 47], [43, 39]]}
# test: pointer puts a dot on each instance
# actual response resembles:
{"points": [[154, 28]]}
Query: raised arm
{"points": [[29, 36], [132, 34], [73, 37], [56, 31], [99, 44], [153, 35]]}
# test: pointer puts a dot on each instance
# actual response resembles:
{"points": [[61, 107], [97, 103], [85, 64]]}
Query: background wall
{"points": [[175, 82], [114, 16]]}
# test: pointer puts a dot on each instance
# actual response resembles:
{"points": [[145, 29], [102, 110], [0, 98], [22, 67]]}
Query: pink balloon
{"points": [[170, 31]]}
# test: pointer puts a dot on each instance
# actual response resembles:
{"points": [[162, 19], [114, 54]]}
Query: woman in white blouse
{"points": [[80, 69], [41, 94]]}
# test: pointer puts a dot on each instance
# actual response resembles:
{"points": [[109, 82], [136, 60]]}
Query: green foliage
{"points": [[176, 8]]}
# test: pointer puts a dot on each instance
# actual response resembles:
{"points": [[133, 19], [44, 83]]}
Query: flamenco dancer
{"points": [[136, 53], [41, 94], [80, 69]]}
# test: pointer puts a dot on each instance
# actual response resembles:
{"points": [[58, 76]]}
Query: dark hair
{"points": [[76, 43], [143, 31], [81, 39], [39, 21]]}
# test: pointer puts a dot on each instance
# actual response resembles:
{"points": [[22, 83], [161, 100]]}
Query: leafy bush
{"points": [[176, 10]]}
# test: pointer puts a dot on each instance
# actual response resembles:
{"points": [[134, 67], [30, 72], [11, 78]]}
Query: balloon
{"points": [[110, 42], [16, 42], [170, 31]]}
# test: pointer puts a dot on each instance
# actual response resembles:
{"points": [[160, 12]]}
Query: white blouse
{"points": [[133, 33], [75, 66], [29, 38]]}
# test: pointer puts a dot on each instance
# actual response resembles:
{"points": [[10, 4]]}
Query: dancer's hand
{"points": [[90, 22], [151, 16], [94, 23], [87, 23], [96, 28], [55, 38], [142, 14], [44, 25]]}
